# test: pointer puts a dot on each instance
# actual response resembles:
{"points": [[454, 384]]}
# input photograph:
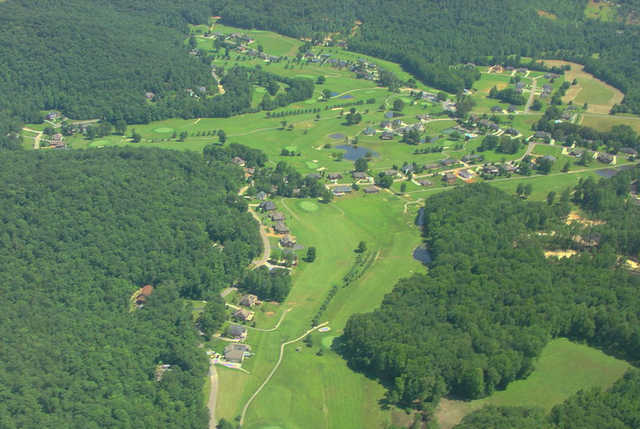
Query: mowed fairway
{"points": [[562, 369], [310, 391]]}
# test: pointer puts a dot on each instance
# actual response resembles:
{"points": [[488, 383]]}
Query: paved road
{"points": [[265, 243], [213, 393], [275, 368]]}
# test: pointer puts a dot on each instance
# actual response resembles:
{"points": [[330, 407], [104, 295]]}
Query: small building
{"points": [[267, 206], [549, 158], [450, 178], [287, 241], [388, 115], [277, 216], [236, 352], [447, 162], [465, 174], [280, 228], [369, 131], [512, 131], [605, 158], [542, 135], [490, 169], [52, 115], [472, 158], [425, 182], [334, 176], [261, 196], [237, 332], [238, 161], [360, 175], [243, 315], [386, 136], [496, 109], [144, 293], [249, 300], [341, 190], [371, 190], [629, 151], [407, 168], [315, 176], [390, 172], [511, 109]]}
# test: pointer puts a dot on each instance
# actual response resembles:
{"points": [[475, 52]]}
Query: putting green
{"points": [[308, 76], [291, 148], [163, 130], [328, 341], [98, 143], [260, 89], [308, 206]]}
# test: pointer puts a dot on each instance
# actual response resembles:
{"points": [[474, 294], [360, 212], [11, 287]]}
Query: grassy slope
{"points": [[562, 369], [321, 391]]}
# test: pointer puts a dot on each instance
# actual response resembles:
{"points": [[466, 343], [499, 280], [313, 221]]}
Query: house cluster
{"points": [[278, 218], [245, 314], [362, 68], [56, 141], [248, 172], [237, 351]]}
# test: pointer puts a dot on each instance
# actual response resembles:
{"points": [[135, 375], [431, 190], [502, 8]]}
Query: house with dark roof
{"points": [[390, 172], [629, 151], [605, 158], [238, 161], [261, 195], [237, 332], [496, 109], [369, 131], [276, 216], [388, 115], [315, 176], [407, 168], [386, 136], [447, 162], [360, 175], [287, 241], [450, 178], [243, 315], [549, 158], [236, 352], [341, 190], [249, 300], [511, 109], [371, 190], [425, 182], [266, 206], [512, 131], [465, 174], [280, 228], [542, 135], [471, 158], [333, 177]]}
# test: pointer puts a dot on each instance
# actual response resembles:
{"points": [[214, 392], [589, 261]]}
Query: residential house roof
{"points": [[280, 228], [343, 189], [236, 331], [371, 189], [276, 216], [267, 206]]}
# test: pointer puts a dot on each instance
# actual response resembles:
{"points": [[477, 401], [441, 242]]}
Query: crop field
{"points": [[562, 369]]}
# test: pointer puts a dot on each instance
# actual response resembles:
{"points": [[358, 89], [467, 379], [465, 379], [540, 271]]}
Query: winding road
{"points": [[275, 368]]}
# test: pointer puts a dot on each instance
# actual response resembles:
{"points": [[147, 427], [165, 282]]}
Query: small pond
{"points": [[420, 217], [422, 254], [358, 152]]}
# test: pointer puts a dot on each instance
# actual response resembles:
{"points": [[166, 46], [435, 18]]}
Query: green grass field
{"points": [[604, 123], [562, 369], [593, 92], [311, 391]]}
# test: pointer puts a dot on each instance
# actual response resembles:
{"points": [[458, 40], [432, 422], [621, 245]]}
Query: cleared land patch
{"points": [[562, 369]]}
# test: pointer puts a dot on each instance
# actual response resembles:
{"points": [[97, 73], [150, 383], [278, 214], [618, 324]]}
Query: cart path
{"points": [[266, 252], [284, 313], [275, 368], [213, 394]]}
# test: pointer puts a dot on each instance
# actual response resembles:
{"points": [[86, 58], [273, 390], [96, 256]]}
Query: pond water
{"points": [[358, 152], [422, 254], [420, 217]]}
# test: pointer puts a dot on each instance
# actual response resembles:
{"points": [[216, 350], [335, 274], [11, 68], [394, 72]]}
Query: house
{"points": [[236, 352], [243, 315], [522, 70], [369, 131], [447, 162], [237, 332], [496, 109], [371, 189], [390, 172], [56, 140], [386, 136], [360, 175], [280, 228], [385, 125], [144, 293], [629, 151], [341, 190], [388, 115], [277, 216], [238, 161], [397, 123], [431, 166], [490, 169], [549, 158], [287, 241], [542, 135], [471, 158], [511, 109], [465, 174], [407, 168], [334, 176], [425, 182], [520, 85], [512, 131], [450, 178], [249, 300], [605, 158], [577, 152], [314, 176], [488, 124], [261, 196], [52, 115], [267, 206]]}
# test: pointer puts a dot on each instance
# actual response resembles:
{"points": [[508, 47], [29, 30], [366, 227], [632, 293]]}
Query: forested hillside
{"points": [[491, 301], [83, 230], [429, 36], [96, 58]]}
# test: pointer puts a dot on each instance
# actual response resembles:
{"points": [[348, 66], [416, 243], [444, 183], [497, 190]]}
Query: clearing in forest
{"points": [[562, 369]]}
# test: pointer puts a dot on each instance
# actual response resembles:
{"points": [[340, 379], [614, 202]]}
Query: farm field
{"points": [[604, 123], [562, 369]]}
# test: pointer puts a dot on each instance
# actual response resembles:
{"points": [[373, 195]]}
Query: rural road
{"points": [[263, 234], [227, 291], [36, 139], [275, 368], [534, 87], [213, 393]]}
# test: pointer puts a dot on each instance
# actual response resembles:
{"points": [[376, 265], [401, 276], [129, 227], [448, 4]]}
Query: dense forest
{"points": [[83, 230], [491, 301], [428, 37]]}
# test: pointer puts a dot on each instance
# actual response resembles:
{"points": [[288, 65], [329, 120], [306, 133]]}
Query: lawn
{"points": [[326, 393], [562, 369], [604, 123]]}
